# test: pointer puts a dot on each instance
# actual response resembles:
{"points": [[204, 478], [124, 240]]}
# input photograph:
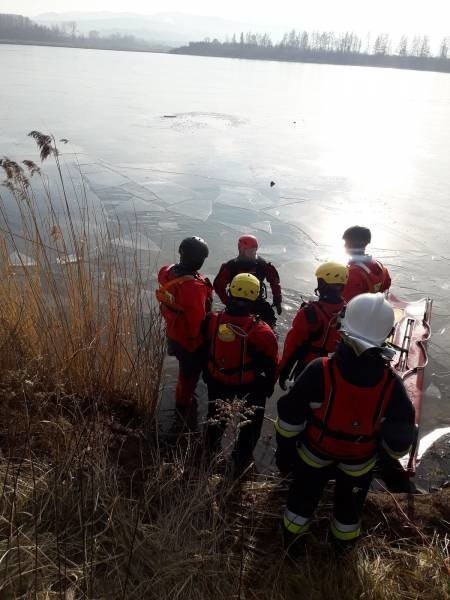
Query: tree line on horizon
{"points": [[18, 28], [333, 43]]}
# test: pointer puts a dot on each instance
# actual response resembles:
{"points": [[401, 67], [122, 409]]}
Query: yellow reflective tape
{"points": [[294, 528], [357, 472], [310, 461], [284, 432], [345, 535], [392, 453]]}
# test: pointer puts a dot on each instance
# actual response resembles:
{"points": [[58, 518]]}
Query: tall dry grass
{"points": [[72, 301], [93, 503]]}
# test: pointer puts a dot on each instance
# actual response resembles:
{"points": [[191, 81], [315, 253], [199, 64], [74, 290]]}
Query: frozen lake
{"points": [[184, 145]]}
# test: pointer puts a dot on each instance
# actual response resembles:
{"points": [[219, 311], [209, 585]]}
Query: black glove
{"points": [[277, 305]]}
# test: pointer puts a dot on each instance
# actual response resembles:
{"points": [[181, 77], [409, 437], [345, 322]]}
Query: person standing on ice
{"points": [[185, 297], [243, 361], [313, 331], [365, 274], [248, 261], [334, 419]]}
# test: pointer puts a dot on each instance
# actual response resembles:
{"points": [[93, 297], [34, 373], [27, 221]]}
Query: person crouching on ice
{"points": [[248, 261], [185, 297], [243, 361], [365, 274], [313, 332], [336, 416]]}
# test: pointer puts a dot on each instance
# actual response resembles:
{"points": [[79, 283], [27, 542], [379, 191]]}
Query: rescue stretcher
{"points": [[409, 340]]}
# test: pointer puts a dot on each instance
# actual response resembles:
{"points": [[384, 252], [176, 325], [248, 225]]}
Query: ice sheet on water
{"points": [[199, 208], [274, 249], [432, 391], [168, 226], [133, 206], [139, 191], [263, 226], [240, 228], [136, 241], [18, 259], [241, 197], [105, 179], [169, 192]]}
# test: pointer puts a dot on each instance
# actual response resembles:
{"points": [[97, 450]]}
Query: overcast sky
{"points": [[394, 16]]}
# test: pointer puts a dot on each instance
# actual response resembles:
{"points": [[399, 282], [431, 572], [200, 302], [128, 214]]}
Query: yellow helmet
{"points": [[245, 285], [332, 273]]}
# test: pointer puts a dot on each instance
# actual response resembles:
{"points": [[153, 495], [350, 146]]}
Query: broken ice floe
{"points": [[243, 198], [137, 241]]}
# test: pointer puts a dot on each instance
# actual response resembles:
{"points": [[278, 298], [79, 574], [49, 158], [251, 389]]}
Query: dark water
{"points": [[175, 146]]}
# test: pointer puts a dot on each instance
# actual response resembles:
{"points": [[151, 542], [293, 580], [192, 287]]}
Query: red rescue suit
{"points": [[313, 334], [185, 298], [366, 275], [229, 361], [346, 424], [184, 301], [260, 268]]}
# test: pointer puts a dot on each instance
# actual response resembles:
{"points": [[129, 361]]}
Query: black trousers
{"points": [[264, 310], [254, 397], [350, 492]]}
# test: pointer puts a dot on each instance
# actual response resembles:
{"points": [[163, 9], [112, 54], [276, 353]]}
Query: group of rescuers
{"points": [[346, 405]]}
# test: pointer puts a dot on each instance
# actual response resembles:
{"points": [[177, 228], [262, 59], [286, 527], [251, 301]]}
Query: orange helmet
{"points": [[247, 242]]}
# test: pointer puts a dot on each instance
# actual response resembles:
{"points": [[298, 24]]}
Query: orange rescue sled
{"points": [[412, 331]]}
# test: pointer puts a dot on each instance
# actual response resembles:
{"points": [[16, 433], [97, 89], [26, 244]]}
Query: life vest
{"points": [[374, 274], [229, 361], [167, 293], [257, 268], [347, 423], [324, 339]]}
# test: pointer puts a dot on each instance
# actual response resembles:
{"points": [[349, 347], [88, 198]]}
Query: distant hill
{"points": [[171, 28]]}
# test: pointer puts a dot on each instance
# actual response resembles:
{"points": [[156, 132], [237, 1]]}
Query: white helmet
{"points": [[368, 321]]}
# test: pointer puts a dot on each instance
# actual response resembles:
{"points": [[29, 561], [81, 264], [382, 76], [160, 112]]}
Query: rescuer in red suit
{"points": [[365, 274], [185, 297], [313, 332], [335, 418], [242, 364], [248, 261]]}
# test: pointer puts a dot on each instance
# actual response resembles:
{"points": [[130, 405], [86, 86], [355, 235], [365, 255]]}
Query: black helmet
{"points": [[357, 236], [193, 251]]}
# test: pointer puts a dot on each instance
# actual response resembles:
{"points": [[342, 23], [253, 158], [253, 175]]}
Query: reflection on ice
{"points": [[239, 228]]}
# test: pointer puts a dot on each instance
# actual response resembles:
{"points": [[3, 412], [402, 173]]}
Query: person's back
{"points": [[248, 261], [365, 274], [185, 297], [340, 412], [187, 300], [243, 362], [313, 332]]}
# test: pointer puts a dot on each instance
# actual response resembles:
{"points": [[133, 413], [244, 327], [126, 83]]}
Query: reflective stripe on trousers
{"points": [[294, 523], [311, 459], [286, 429], [345, 532], [357, 470]]}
